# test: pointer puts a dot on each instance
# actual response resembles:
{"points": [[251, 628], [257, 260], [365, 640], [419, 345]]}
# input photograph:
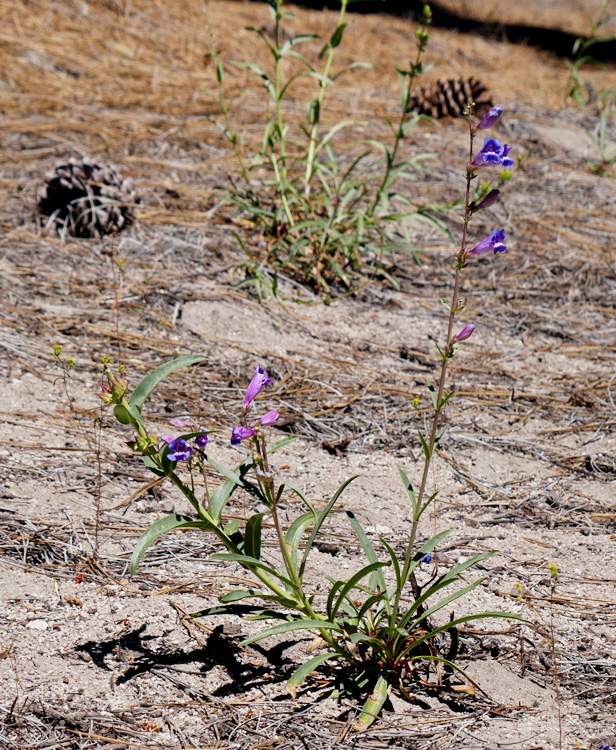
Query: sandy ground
{"points": [[91, 658]]}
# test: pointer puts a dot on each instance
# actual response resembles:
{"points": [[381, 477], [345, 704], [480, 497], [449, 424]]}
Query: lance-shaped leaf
{"points": [[162, 526], [372, 707], [300, 674], [287, 627], [377, 578], [147, 385]]}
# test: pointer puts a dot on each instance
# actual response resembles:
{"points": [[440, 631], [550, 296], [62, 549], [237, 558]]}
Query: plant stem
{"points": [[283, 178], [446, 354], [315, 125], [231, 136], [399, 133]]}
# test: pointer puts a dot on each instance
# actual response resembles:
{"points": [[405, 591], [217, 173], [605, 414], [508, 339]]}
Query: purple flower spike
{"points": [[494, 244], [257, 384], [201, 440], [464, 334], [493, 155], [179, 450], [240, 433], [269, 419], [490, 120]]}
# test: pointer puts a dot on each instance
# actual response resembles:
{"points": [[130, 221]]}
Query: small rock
{"points": [[37, 625]]}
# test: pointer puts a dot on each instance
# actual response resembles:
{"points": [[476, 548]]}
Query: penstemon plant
{"points": [[385, 621], [324, 219]]}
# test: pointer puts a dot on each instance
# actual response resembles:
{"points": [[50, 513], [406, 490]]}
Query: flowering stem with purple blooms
{"points": [[491, 155]]}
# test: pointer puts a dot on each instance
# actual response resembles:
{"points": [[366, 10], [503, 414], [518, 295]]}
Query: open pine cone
{"points": [[450, 98], [87, 199]]}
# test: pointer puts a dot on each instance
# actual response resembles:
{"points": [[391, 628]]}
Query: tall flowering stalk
{"points": [[492, 154]]}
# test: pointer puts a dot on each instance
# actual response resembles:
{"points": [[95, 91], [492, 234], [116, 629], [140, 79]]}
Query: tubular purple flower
{"points": [[202, 440], [269, 419], [179, 450], [492, 155], [464, 334], [494, 244], [168, 439], [490, 120], [426, 559], [240, 433], [257, 384], [177, 422], [488, 201]]}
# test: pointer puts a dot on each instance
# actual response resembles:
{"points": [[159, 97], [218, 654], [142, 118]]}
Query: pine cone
{"points": [[450, 98], [87, 199]]}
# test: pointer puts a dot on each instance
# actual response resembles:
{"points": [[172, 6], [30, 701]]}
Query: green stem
{"points": [[283, 182], [315, 125], [399, 134], [231, 136]]}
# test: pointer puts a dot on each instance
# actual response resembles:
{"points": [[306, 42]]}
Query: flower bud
{"points": [[269, 419], [488, 201], [464, 334], [490, 120]]}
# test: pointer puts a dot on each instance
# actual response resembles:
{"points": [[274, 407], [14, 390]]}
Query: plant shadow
{"points": [[132, 648]]}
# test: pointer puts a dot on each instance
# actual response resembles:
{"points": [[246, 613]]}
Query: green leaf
{"points": [[337, 36], [296, 530], [320, 521], [286, 48], [353, 581], [424, 445], [300, 674], [246, 561], [287, 627], [162, 526], [411, 492], [256, 69], [368, 549], [252, 536], [461, 621], [121, 414], [153, 467], [427, 547], [236, 596], [394, 560], [147, 385], [372, 707], [281, 444]]}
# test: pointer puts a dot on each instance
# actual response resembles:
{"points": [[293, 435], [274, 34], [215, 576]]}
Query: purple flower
{"points": [[177, 422], [201, 440], [490, 120], [257, 384], [493, 154], [464, 334], [269, 419], [488, 201], [426, 559], [240, 433], [494, 244], [179, 450]]}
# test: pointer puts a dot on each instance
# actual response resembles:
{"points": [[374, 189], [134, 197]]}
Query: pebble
{"points": [[38, 625]]}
